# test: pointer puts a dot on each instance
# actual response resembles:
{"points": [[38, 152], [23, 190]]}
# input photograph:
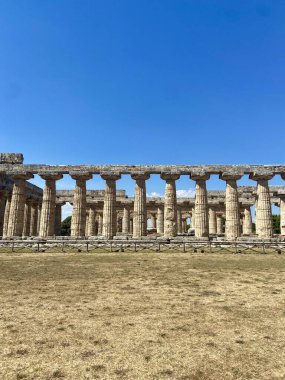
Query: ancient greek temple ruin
{"points": [[29, 211]]}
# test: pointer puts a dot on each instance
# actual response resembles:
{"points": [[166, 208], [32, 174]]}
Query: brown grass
{"points": [[142, 316]]}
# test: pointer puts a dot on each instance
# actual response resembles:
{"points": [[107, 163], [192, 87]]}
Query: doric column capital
{"points": [[110, 177], [200, 177], [82, 176], [21, 176], [140, 176], [51, 176], [169, 176], [261, 176], [230, 176]]}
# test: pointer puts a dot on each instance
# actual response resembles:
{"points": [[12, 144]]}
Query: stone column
{"points": [[233, 229], [160, 220], [140, 214], [3, 200], [109, 211], [219, 224], [201, 206], [179, 221], [192, 219], [91, 227], [34, 219], [153, 221], [100, 224], [119, 223], [6, 216], [131, 226], [48, 205], [170, 205], [212, 221], [57, 226], [27, 218], [247, 221], [16, 214], [263, 209], [282, 215], [183, 225], [78, 220], [126, 220], [39, 218]]}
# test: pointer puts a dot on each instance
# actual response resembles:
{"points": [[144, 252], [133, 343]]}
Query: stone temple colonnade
{"points": [[27, 210]]}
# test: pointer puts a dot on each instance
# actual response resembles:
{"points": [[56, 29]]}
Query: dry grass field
{"points": [[142, 316]]}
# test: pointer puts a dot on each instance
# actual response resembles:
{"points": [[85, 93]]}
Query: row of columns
{"points": [[20, 212]]}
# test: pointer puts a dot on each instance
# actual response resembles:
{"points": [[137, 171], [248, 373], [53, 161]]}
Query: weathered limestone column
{"points": [[212, 221], [27, 218], [140, 215], [39, 218], [183, 225], [247, 221], [170, 205], [48, 205], [3, 200], [160, 220], [263, 209], [6, 216], [233, 229], [86, 223], [282, 215], [57, 226], [16, 214], [192, 219], [219, 223], [153, 221], [109, 211], [131, 225], [179, 221], [34, 219], [100, 224], [91, 227], [78, 220], [201, 206], [126, 220]]}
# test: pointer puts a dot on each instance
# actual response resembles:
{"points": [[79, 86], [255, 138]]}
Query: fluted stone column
{"points": [[86, 223], [282, 215], [219, 224], [247, 221], [58, 212], [179, 221], [109, 211], [3, 200], [27, 218], [192, 219], [201, 206], [153, 221], [140, 215], [233, 229], [212, 221], [34, 219], [126, 221], [263, 209], [39, 218], [160, 220], [78, 220], [17, 207], [48, 205], [131, 226], [6, 216], [100, 224], [170, 205], [91, 227]]}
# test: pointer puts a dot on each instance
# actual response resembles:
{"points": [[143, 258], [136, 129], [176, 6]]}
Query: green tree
{"points": [[65, 226], [276, 224]]}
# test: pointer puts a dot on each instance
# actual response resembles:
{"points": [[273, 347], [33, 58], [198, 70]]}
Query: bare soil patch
{"points": [[142, 316]]}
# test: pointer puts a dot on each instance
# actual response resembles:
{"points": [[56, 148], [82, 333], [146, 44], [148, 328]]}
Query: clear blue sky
{"points": [[143, 81]]}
